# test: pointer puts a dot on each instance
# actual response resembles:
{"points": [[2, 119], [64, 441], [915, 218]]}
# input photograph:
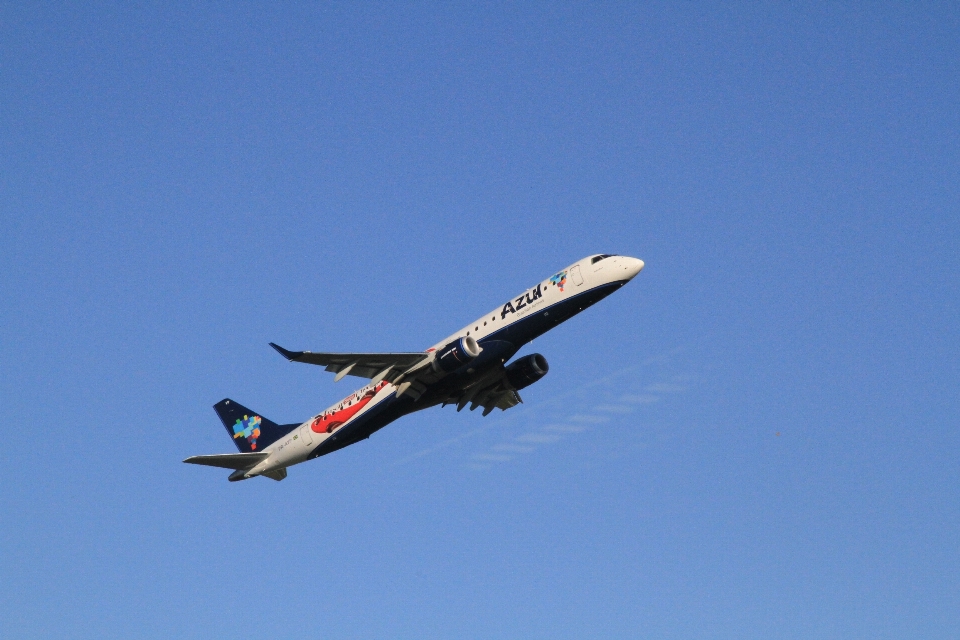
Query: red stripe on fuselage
{"points": [[326, 423]]}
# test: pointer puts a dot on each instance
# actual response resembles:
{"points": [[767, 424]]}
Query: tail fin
{"points": [[250, 431]]}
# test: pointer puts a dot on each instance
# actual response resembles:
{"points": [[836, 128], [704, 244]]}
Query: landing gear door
{"points": [[306, 435], [575, 274]]}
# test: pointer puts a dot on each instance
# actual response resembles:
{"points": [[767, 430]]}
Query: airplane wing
{"points": [[490, 393], [410, 372], [376, 366], [229, 460], [507, 399]]}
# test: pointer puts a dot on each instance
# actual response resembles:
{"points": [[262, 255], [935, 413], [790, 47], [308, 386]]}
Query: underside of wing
{"points": [[229, 460], [492, 393], [376, 366], [508, 399]]}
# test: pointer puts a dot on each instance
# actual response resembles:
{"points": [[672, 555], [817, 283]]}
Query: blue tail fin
{"points": [[250, 431]]}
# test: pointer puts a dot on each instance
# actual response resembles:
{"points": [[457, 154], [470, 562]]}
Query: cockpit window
{"points": [[597, 259]]}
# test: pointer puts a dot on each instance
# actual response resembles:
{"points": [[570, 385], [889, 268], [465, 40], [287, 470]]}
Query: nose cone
{"points": [[632, 266]]}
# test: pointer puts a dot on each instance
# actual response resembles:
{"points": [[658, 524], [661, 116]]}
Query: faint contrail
{"points": [[572, 407]]}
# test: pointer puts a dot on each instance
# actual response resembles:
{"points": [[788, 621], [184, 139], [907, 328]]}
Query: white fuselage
{"points": [[577, 279]]}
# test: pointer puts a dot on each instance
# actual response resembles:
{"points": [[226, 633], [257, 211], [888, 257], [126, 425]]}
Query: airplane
{"points": [[466, 368]]}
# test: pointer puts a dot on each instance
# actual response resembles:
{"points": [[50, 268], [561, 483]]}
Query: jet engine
{"points": [[527, 370], [456, 354]]}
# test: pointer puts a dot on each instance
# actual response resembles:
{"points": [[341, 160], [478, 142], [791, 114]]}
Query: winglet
{"points": [[289, 355]]}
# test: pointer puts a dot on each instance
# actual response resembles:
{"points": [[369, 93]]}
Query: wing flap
{"points": [[508, 399]]}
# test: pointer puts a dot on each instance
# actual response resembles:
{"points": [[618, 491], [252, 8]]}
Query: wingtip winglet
{"points": [[289, 355]]}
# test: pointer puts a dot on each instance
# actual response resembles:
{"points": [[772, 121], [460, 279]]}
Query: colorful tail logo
{"points": [[560, 279], [249, 428]]}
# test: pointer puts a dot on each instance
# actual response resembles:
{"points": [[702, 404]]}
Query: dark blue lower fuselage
{"points": [[498, 347]]}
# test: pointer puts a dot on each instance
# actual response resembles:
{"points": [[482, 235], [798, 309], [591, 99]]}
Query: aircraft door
{"points": [[306, 435], [575, 274]]}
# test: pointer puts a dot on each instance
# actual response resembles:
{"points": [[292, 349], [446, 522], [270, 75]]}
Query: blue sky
{"points": [[757, 438]]}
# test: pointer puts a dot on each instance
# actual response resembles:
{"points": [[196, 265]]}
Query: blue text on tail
{"points": [[250, 431]]}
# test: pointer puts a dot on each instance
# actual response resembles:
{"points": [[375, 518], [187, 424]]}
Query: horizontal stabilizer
{"points": [[276, 474], [230, 460]]}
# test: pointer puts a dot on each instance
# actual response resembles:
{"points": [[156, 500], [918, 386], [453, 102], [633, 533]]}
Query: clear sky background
{"points": [[756, 438]]}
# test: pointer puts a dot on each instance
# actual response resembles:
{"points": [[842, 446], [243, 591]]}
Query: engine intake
{"points": [[527, 370], [456, 354]]}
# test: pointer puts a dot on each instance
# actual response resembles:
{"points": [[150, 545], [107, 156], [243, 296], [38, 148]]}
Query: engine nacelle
{"points": [[527, 370], [456, 354]]}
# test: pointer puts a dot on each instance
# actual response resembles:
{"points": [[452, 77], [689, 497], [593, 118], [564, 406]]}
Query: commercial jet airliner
{"points": [[466, 368]]}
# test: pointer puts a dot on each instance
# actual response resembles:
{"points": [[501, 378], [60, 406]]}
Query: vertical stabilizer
{"points": [[250, 431]]}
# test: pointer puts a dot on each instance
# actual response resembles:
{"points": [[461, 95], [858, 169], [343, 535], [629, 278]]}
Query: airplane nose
{"points": [[633, 266]]}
